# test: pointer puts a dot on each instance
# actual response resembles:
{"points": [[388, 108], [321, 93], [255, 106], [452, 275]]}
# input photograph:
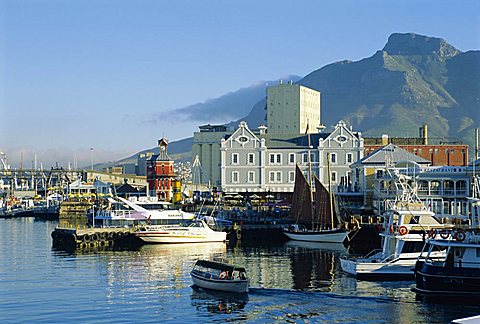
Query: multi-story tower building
{"points": [[292, 109], [160, 173]]}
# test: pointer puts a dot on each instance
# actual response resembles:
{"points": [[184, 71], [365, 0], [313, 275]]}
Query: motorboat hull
{"points": [[327, 236], [440, 280], [233, 286], [402, 269], [173, 237]]}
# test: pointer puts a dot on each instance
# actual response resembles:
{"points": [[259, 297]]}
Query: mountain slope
{"points": [[413, 80]]}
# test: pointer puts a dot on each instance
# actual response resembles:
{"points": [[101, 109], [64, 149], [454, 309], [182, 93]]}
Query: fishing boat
{"points": [[407, 222], [457, 273], [220, 276], [323, 226], [197, 232]]}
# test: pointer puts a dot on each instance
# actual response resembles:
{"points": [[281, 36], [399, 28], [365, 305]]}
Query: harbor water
{"points": [[291, 282]]}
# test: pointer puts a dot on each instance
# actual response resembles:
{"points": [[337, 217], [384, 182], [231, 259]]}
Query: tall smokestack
{"points": [[424, 134]]}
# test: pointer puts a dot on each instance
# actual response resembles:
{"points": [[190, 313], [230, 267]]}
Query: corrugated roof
{"points": [[299, 142], [391, 153]]}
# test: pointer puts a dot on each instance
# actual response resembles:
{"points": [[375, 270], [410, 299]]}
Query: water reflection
{"points": [[217, 302]]}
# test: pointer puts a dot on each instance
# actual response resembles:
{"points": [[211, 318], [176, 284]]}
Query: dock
{"points": [[87, 238]]}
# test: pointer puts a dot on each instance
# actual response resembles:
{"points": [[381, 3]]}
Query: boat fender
{"points": [[432, 233], [392, 230], [223, 274], [459, 236], [403, 230], [379, 228]]}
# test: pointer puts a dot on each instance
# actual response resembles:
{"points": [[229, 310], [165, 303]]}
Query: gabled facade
{"points": [[366, 170], [258, 162]]}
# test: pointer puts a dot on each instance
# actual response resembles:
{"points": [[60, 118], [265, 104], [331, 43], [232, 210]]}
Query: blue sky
{"points": [[81, 74]]}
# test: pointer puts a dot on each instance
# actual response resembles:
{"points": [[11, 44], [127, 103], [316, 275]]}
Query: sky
{"points": [[87, 79]]}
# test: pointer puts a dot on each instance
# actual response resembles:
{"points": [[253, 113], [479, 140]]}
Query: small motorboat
{"points": [[219, 276]]}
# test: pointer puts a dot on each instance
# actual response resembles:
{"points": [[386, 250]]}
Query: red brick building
{"points": [[438, 154], [160, 173]]}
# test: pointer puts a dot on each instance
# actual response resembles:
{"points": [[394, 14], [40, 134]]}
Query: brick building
{"points": [[438, 154], [160, 173]]}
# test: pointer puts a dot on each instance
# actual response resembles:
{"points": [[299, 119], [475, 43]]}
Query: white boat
{"points": [[296, 232], [128, 213], [219, 276], [196, 232], [407, 223], [324, 228]]}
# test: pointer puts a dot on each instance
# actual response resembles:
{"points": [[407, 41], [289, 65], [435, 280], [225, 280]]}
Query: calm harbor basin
{"points": [[291, 282]]}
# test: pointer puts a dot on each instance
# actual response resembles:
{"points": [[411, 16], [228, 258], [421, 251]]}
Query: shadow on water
{"points": [[218, 302]]}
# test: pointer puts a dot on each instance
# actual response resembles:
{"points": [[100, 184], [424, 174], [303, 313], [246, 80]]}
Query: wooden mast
{"points": [[330, 189], [310, 178]]}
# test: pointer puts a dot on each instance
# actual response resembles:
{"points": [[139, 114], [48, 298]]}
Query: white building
{"points": [[257, 162], [292, 109]]}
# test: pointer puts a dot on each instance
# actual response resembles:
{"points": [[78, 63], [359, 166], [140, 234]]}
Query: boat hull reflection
{"points": [[218, 301]]}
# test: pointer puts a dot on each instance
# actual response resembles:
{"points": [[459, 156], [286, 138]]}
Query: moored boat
{"points": [[324, 227], [219, 276], [196, 232], [407, 223], [457, 273]]}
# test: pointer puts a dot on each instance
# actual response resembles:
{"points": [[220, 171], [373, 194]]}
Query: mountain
{"points": [[413, 80]]}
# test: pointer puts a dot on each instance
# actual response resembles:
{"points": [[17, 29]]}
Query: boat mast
{"points": [[330, 189], [310, 178]]}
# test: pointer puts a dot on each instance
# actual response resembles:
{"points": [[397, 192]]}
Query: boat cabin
{"points": [[218, 270]]}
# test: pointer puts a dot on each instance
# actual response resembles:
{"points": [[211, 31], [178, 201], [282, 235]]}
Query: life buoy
{"points": [[403, 230], [459, 236], [444, 234], [223, 274], [432, 233]]}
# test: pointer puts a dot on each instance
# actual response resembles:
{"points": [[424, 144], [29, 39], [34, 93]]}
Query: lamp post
{"points": [[91, 156], [91, 159]]}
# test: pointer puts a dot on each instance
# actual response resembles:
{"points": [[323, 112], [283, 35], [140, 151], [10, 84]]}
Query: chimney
{"points": [[263, 129], [384, 139], [424, 134]]}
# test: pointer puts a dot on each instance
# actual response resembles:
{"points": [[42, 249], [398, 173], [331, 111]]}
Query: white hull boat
{"points": [[407, 222], [197, 232], [219, 276], [326, 236]]}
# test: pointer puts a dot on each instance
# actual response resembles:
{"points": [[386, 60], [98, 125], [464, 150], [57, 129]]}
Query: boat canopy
{"points": [[219, 266]]}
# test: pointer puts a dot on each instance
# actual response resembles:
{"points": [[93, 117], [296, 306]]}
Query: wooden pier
{"points": [[87, 238]]}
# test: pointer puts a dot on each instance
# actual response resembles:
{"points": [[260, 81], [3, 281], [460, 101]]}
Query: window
{"points": [[291, 176], [305, 158], [250, 158], [275, 158], [251, 177], [333, 157], [235, 158], [275, 176], [334, 176], [271, 176], [235, 177], [312, 157], [291, 158], [349, 158]]}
